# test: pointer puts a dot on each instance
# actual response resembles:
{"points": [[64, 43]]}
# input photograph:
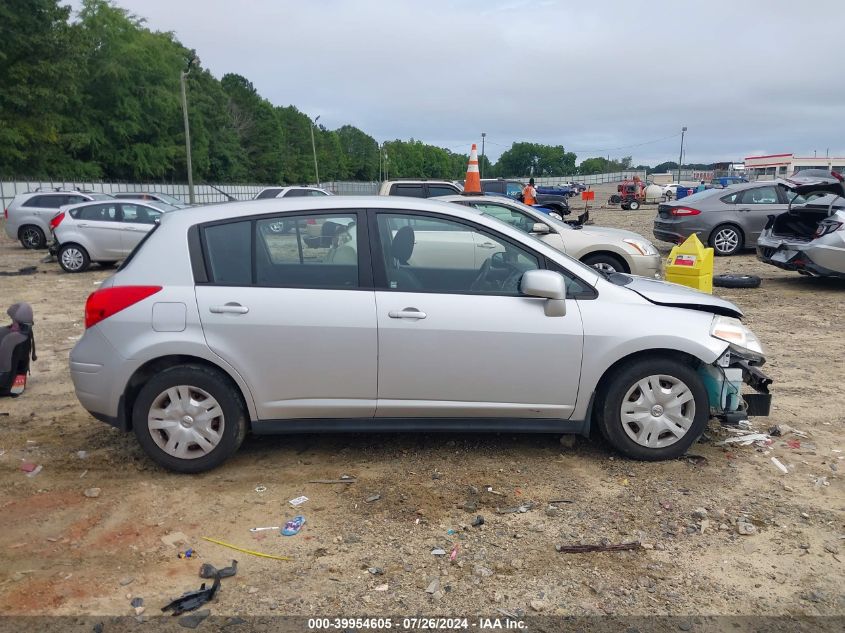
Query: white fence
{"points": [[592, 179], [203, 193]]}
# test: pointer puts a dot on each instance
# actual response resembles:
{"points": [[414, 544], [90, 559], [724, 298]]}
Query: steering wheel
{"points": [[489, 279]]}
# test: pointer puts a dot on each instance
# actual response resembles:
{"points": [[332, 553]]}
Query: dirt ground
{"points": [[64, 553]]}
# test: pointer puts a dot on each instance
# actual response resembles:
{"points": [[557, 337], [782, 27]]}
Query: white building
{"points": [[784, 165]]}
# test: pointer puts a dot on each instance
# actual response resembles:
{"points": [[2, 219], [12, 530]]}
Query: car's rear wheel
{"points": [[606, 262], [653, 409], [189, 418], [73, 258], [32, 237], [726, 239]]}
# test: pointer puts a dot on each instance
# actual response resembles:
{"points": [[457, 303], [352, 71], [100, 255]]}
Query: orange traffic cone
{"points": [[473, 180]]}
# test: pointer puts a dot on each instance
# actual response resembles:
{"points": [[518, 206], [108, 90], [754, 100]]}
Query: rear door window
{"points": [[760, 195], [97, 213], [731, 198], [441, 190], [313, 251], [139, 214], [411, 191]]}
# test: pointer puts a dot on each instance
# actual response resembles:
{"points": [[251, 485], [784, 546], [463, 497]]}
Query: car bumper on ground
{"points": [[808, 258]]}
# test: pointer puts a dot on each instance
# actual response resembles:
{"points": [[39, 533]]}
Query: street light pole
{"points": [[193, 61], [314, 148], [481, 164], [681, 157]]}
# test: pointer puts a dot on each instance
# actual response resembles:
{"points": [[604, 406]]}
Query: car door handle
{"points": [[488, 245], [83, 224], [229, 308], [407, 313]]}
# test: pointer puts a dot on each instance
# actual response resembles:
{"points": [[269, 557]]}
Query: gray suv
{"points": [[396, 314], [727, 219], [28, 215]]}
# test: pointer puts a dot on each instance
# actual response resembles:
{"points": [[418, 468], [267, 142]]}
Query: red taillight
{"points": [[838, 176], [109, 301], [56, 221], [679, 211], [310, 221]]}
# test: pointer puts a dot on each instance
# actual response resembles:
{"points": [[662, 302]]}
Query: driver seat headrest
{"points": [[402, 246]]}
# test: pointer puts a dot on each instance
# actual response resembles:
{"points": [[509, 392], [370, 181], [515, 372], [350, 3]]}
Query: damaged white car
{"points": [[810, 237]]}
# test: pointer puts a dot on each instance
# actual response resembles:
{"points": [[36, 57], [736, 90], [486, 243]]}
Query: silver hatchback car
{"points": [[102, 232], [218, 324]]}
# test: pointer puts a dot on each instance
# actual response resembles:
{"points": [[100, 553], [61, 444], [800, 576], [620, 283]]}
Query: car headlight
{"points": [[734, 332], [643, 247]]}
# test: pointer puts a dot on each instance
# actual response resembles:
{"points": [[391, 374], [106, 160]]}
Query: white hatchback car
{"points": [[101, 232], [217, 325]]}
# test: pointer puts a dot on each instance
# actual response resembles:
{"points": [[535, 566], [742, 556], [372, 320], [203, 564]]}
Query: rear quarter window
{"points": [[228, 249], [411, 191]]}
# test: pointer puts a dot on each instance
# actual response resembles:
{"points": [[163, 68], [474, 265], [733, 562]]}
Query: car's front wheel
{"points": [[606, 262], [73, 258], [189, 418], [653, 408]]}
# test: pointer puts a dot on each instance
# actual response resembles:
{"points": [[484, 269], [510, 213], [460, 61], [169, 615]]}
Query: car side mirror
{"points": [[540, 228], [548, 285]]}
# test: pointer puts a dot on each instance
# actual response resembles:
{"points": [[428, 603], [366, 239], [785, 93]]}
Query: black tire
{"points": [[610, 399], [615, 199], [737, 281], [633, 205], [625, 206], [32, 237], [214, 384], [107, 264], [605, 260], [724, 246], [73, 258]]}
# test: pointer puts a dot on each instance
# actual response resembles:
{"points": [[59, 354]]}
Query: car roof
{"points": [[153, 204]]}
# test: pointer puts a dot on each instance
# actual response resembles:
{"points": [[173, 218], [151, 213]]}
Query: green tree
{"points": [[39, 89], [535, 159], [361, 151]]}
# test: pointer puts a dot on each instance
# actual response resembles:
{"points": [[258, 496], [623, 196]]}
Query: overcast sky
{"points": [[598, 77]]}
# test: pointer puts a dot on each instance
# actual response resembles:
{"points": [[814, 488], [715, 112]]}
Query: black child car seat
{"points": [[17, 346]]}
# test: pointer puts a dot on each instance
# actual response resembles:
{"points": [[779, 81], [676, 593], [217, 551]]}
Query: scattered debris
{"points": [[557, 501], [747, 440], [433, 586], [298, 501], [84, 472], [28, 467], [127, 580], [821, 481], [191, 600], [293, 526], [381, 587], [438, 551], [208, 570], [82, 454], [193, 620], [188, 553], [375, 571], [494, 492], [175, 538], [263, 529], [483, 572], [372, 498], [779, 465], [344, 479], [699, 513], [453, 555], [35, 471], [525, 507], [260, 489], [601, 547], [477, 521], [245, 551], [540, 605], [92, 493], [137, 602], [745, 528]]}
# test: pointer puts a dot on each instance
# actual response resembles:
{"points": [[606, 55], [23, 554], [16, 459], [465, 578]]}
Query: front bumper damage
{"points": [[724, 379]]}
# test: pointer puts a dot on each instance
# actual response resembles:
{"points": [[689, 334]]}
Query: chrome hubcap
{"points": [[186, 422], [72, 258], [657, 411], [726, 240], [608, 268]]}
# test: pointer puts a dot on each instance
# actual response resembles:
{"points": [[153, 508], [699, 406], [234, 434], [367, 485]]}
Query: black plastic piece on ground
{"points": [[207, 570], [733, 418], [191, 600], [759, 404], [737, 281]]}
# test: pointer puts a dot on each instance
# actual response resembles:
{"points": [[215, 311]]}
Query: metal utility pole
{"points": [[193, 61], [681, 157], [481, 164], [314, 148]]}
